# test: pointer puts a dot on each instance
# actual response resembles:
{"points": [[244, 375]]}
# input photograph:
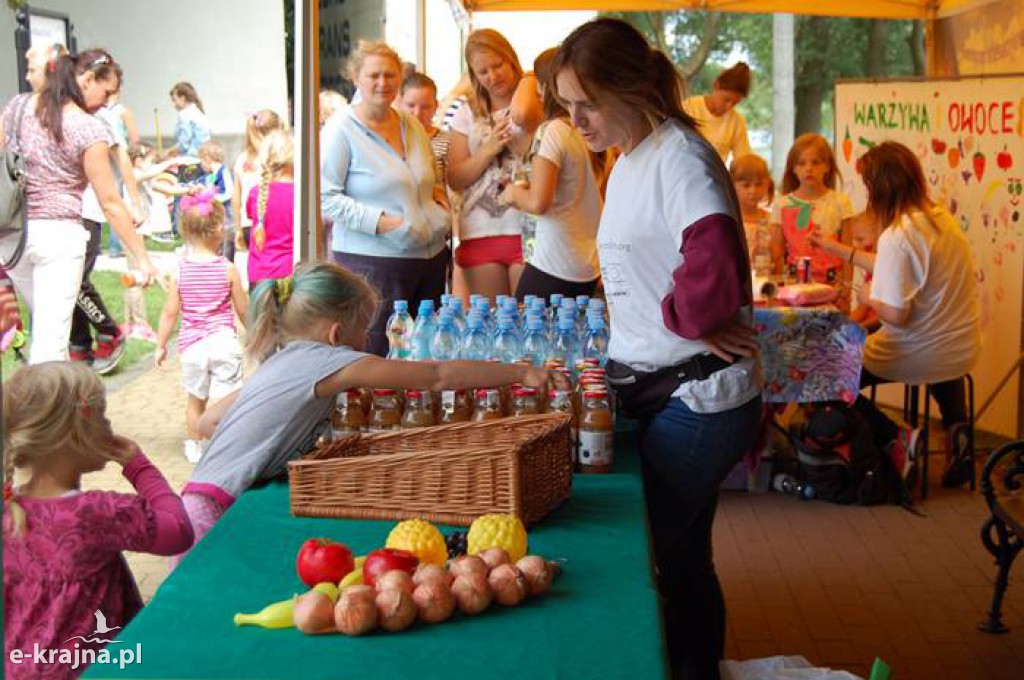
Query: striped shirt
{"points": [[205, 293], [440, 143]]}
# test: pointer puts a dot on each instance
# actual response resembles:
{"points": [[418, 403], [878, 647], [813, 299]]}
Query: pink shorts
{"points": [[503, 250]]}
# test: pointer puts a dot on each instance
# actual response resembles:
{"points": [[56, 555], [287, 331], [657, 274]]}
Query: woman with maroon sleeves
{"points": [[682, 352]]}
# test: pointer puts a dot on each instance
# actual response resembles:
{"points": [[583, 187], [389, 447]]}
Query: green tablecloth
{"points": [[599, 620]]}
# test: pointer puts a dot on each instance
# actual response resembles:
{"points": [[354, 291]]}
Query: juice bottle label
{"points": [[596, 448]]}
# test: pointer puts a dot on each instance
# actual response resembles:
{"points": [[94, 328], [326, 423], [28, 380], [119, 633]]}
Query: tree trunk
{"points": [[809, 99], [657, 23], [708, 38], [916, 40], [877, 35]]}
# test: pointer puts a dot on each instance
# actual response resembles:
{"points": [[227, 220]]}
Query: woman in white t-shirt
{"points": [[923, 290], [562, 200], [677, 277], [716, 114]]}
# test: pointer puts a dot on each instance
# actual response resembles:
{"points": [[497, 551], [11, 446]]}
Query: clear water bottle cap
{"points": [[401, 305], [568, 303], [582, 300], [555, 299], [446, 298], [426, 306]]}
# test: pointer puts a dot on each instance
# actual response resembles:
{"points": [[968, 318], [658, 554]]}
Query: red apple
{"points": [[938, 146], [1004, 160], [322, 560], [386, 559], [979, 164]]}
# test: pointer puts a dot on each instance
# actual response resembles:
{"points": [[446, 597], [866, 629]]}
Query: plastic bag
{"points": [[780, 668]]}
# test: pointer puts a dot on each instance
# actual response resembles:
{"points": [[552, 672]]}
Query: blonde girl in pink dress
{"points": [[67, 587]]}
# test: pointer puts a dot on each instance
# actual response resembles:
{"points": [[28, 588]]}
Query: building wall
{"points": [[232, 50]]}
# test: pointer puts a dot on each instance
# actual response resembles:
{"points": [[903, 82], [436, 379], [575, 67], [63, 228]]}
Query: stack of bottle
{"points": [[569, 335]]}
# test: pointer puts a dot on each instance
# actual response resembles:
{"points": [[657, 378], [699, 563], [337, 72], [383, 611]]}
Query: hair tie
{"points": [[201, 203], [285, 287], [8, 491], [56, 51]]}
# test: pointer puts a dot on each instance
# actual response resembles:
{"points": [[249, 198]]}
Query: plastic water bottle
{"points": [[582, 307], [789, 484], [507, 348], [596, 344], [445, 345], [423, 331], [564, 347], [535, 344], [399, 331], [476, 345], [455, 304]]}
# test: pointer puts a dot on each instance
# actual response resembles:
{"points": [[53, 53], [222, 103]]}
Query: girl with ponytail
{"points": [[307, 332], [269, 206], [674, 261], [62, 545]]}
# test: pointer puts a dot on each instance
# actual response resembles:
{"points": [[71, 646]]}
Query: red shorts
{"points": [[503, 250]]}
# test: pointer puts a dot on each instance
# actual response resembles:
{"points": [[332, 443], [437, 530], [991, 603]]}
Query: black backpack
{"points": [[838, 456]]}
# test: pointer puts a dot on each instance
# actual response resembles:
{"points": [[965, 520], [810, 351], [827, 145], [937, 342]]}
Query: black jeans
{"points": [[396, 278], [89, 308], [949, 395], [535, 282], [685, 457]]}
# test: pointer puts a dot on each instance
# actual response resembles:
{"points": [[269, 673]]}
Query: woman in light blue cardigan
{"points": [[378, 188]]}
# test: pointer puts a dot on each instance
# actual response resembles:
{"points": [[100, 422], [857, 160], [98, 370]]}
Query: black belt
{"points": [[701, 367]]}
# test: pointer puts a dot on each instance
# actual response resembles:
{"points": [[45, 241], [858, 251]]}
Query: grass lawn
{"points": [[108, 283]]}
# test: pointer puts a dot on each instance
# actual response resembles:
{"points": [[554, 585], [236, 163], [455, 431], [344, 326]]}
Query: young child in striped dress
{"points": [[206, 289]]}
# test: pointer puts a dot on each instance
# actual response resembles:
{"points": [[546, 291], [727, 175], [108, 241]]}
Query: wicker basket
{"points": [[449, 474]]}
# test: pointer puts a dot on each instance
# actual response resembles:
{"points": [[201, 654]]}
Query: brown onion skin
{"points": [[472, 593], [396, 578], [314, 613], [395, 610], [432, 573], [434, 601], [509, 584], [356, 611], [494, 557], [466, 565], [537, 572]]}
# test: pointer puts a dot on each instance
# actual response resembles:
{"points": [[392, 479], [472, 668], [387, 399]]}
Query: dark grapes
{"points": [[456, 542]]}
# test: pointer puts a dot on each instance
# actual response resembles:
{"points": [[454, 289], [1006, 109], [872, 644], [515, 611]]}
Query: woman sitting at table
{"points": [[675, 268], [923, 290]]}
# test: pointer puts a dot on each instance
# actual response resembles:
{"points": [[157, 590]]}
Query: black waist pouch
{"points": [[642, 394]]}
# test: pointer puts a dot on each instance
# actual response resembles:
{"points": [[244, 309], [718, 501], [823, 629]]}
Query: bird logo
{"points": [[101, 629]]}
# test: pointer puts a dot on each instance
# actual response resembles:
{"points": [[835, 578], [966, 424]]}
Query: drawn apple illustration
{"points": [[979, 164], [1004, 160], [938, 146]]}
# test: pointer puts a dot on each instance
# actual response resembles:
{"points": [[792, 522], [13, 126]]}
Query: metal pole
{"points": [[306, 89], [783, 80]]}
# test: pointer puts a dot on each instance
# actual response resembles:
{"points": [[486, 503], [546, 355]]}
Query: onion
{"points": [[508, 583], [434, 601], [472, 593], [356, 611], [431, 573], [494, 557], [394, 579], [468, 565], [395, 609], [537, 573], [314, 613]]}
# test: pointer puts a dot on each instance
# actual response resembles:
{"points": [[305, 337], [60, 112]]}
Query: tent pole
{"points": [[305, 112], [932, 67]]}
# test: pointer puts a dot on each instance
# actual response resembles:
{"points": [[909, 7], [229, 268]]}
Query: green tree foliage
{"points": [[827, 49]]}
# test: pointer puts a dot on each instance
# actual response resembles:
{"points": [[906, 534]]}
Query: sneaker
{"points": [[194, 450], [905, 451], [958, 459], [80, 353], [109, 349], [165, 237], [139, 331]]}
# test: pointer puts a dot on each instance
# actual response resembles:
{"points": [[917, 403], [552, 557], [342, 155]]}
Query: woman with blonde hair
{"points": [[377, 187], [488, 142]]}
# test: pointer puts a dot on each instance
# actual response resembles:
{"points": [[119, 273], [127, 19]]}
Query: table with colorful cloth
{"points": [[600, 619], [809, 354]]}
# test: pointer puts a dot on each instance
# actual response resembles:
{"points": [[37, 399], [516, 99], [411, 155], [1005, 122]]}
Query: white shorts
{"points": [[212, 367]]}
